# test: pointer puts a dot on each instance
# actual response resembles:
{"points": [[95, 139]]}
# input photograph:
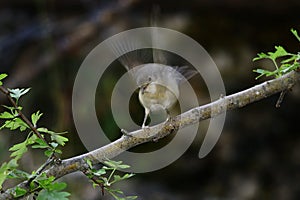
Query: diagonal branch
{"points": [[156, 132]]}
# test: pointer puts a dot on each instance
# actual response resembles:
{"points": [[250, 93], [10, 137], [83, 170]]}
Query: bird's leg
{"points": [[168, 115], [147, 111]]}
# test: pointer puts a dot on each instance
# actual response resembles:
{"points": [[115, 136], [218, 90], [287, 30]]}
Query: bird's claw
{"points": [[126, 133]]}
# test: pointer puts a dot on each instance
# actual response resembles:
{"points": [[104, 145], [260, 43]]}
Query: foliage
{"points": [[105, 182], [9, 170], [51, 190], [41, 138], [283, 61]]}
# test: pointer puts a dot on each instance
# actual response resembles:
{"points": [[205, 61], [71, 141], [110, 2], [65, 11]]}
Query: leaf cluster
{"points": [[12, 120], [49, 189], [283, 61], [106, 176]]}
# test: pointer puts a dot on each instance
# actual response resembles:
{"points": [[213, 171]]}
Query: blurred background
{"points": [[43, 43]]}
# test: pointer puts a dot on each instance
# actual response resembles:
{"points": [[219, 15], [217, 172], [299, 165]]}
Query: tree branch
{"points": [[159, 131]]}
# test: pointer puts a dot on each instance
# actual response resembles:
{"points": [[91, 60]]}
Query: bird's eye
{"points": [[149, 78]]}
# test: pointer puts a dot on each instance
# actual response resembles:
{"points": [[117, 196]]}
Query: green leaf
{"points": [[19, 174], [55, 136], [32, 139], [260, 56], [112, 164], [61, 140], [52, 195], [3, 173], [290, 59], [54, 144], [21, 148], [123, 166], [5, 170], [14, 111], [18, 150], [116, 191], [58, 151], [89, 162], [262, 72], [15, 124], [51, 190], [45, 130], [295, 34], [118, 178], [116, 164], [95, 185], [12, 164], [2, 76], [6, 123], [280, 52], [35, 117], [100, 172], [19, 192], [6, 115], [48, 153], [105, 181], [57, 186], [17, 93], [45, 181], [41, 144], [126, 176]]}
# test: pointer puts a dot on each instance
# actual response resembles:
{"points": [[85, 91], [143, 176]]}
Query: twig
{"points": [[280, 99], [86, 173]]}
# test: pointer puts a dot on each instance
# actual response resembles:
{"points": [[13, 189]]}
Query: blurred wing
{"points": [[185, 71], [158, 56], [126, 52]]}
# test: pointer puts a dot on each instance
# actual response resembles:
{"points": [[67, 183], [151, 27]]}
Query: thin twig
{"points": [[280, 99], [93, 178]]}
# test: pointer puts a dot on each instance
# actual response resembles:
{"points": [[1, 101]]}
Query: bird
{"points": [[159, 86], [157, 81]]}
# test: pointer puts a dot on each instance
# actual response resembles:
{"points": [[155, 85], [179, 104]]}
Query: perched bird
{"points": [[159, 86], [157, 81]]}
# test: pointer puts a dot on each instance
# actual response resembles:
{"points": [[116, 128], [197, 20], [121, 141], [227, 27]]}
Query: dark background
{"points": [[43, 43]]}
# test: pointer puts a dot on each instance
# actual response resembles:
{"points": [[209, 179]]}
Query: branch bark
{"points": [[159, 131]]}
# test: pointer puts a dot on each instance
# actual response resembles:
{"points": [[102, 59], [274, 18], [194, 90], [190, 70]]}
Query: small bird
{"points": [[157, 81], [159, 86]]}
